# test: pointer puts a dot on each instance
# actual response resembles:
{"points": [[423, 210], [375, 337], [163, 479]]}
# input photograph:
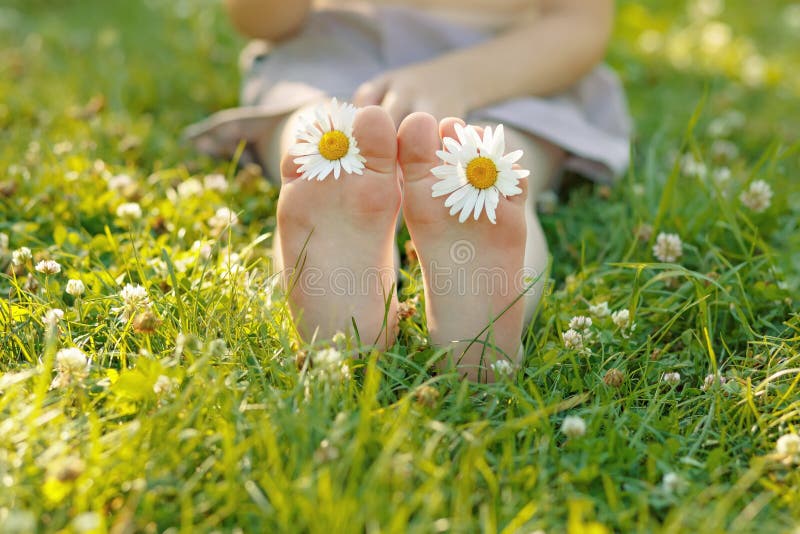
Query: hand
{"points": [[422, 87]]}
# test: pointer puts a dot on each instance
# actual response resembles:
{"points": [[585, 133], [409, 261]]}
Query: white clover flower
{"points": [[330, 365], [692, 167], [75, 287], [671, 378], [17, 521], [218, 348], [621, 318], [721, 175], [328, 358], [476, 171], [724, 149], [130, 211], [71, 366], [754, 70], [671, 482], [572, 339], [668, 247], [21, 256], [3, 243], [134, 300], [573, 426], [788, 447], [121, 183], [87, 522], [326, 143], [48, 267], [215, 182], [164, 386], [580, 322], [757, 197], [222, 218], [503, 367], [53, 316], [189, 188], [339, 338], [204, 250], [710, 380], [600, 309]]}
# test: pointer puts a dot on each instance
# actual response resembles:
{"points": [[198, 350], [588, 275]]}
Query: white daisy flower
{"points": [[327, 144], [758, 197], [475, 172]]}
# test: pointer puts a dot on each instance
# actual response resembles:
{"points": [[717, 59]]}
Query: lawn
{"points": [[198, 412]]}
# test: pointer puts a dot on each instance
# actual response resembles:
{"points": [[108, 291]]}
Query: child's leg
{"points": [[334, 240], [473, 272]]}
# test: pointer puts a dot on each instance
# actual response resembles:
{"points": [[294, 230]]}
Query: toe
{"points": [[447, 128], [377, 139], [418, 140]]}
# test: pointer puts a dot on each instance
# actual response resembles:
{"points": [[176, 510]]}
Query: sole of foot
{"points": [[473, 271], [335, 240]]}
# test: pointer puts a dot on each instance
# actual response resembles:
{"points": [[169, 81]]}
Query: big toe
{"points": [[417, 143]]}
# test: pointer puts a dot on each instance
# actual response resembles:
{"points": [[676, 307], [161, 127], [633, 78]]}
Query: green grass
{"points": [[245, 441]]}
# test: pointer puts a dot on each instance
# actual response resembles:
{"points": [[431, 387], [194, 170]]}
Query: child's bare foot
{"points": [[335, 240], [472, 271]]}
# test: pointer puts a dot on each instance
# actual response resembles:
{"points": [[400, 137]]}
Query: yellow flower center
{"points": [[482, 173], [334, 145]]}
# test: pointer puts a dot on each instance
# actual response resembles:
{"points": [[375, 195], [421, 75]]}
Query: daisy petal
{"points": [[457, 196], [512, 157], [469, 205], [479, 203]]}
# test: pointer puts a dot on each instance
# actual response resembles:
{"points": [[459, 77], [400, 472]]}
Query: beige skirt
{"points": [[340, 49]]}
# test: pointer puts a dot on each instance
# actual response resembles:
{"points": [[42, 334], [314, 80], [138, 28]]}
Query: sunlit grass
{"points": [[201, 411]]}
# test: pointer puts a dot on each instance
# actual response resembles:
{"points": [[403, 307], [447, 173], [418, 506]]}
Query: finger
{"points": [[370, 93]]}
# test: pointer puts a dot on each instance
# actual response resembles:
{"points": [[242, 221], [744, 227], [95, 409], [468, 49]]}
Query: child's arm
{"points": [[537, 57], [271, 20]]}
